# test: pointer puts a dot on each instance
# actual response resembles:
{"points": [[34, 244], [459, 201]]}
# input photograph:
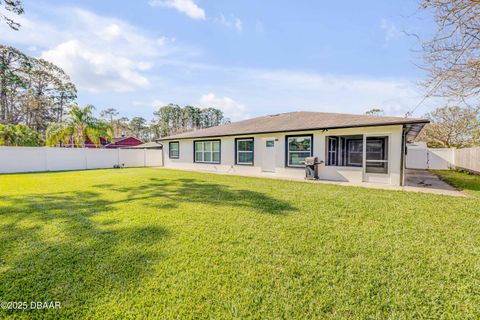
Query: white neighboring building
{"points": [[353, 148]]}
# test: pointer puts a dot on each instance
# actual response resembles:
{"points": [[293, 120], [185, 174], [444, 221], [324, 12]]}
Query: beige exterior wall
{"points": [[351, 174]]}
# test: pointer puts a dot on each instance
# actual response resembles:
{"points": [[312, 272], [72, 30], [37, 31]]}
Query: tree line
{"points": [[37, 102], [33, 91], [167, 120]]}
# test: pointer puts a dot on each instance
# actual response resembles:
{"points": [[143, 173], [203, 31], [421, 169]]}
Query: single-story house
{"points": [[354, 148]]}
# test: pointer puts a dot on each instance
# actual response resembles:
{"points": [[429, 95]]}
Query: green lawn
{"points": [[138, 243], [462, 180]]}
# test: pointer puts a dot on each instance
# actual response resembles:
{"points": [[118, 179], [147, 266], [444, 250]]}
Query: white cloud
{"points": [[158, 103], [104, 54], [33, 33], [96, 70], [99, 53], [153, 105], [231, 108], [238, 24], [390, 30], [286, 90], [233, 22], [188, 7]]}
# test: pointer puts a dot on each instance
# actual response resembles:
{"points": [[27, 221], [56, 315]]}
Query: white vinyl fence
{"points": [[425, 158], [421, 157], [468, 159], [29, 159], [416, 158]]}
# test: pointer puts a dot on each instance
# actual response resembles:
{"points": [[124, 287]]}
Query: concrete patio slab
{"points": [[425, 179]]}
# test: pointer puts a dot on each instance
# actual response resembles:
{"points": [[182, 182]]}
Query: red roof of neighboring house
{"points": [[123, 142], [118, 142]]}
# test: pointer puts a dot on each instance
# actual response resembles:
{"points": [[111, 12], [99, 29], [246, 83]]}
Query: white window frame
{"points": [[310, 136], [244, 151], [203, 151]]}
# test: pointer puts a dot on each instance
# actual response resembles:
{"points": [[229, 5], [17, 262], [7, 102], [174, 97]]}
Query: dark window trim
{"points": [[170, 150], [253, 152], [339, 151], [219, 150], [327, 148], [286, 148], [347, 164]]}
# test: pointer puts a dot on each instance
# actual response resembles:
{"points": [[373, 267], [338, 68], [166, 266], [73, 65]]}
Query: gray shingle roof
{"points": [[148, 145], [294, 121]]}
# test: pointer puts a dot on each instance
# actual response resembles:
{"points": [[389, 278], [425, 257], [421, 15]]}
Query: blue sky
{"points": [[247, 58]]}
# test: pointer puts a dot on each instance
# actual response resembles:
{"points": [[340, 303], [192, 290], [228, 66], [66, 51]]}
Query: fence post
{"points": [[452, 157], [45, 149], [85, 155]]}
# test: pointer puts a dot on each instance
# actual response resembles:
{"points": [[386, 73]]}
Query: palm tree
{"points": [[7, 135], [18, 135], [80, 125], [109, 114], [25, 136]]}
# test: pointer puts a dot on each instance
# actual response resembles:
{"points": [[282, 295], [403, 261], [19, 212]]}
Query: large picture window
{"points": [[346, 151], [174, 150], [298, 148], [377, 155], [207, 151], [244, 151]]}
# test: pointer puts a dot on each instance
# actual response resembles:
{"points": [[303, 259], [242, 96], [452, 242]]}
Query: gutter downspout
{"points": [[163, 155], [402, 158]]}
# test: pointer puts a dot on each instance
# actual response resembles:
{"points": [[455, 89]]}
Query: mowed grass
{"points": [[158, 243], [462, 180]]}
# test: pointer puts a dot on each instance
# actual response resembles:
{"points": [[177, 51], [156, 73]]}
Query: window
{"points": [[377, 155], [298, 148], [174, 150], [244, 151], [207, 151], [354, 152], [345, 151]]}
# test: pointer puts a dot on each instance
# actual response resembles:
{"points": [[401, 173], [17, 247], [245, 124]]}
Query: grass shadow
{"points": [[175, 192], [74, 247], [51, 249]]}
